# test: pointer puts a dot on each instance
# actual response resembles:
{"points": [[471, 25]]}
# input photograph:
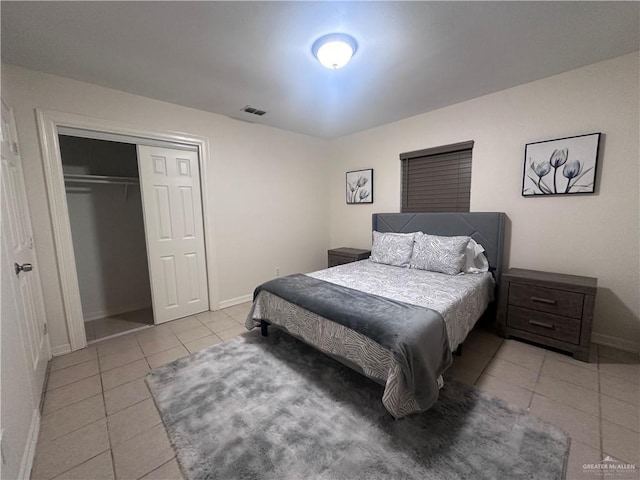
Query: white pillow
{"points": [[439, 254], [392, 248], [475, 259]]}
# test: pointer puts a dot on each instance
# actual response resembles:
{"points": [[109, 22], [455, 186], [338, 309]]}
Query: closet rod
{"points": [[77, 178]]}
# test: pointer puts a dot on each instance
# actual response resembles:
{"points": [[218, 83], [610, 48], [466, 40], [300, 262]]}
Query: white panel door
{"points": [[17, 241], [172, 204]]}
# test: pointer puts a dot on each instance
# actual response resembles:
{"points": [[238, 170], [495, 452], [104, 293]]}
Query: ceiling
{"points": [[412, 57]]}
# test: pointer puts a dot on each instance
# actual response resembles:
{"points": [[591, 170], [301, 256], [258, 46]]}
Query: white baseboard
{"points": [[29, 452], [236, 301], [615, 342], [115, 335], [114, 311], [60, 350]]}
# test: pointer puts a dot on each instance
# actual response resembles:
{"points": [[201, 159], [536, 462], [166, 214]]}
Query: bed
{"points": [[425, 315]]}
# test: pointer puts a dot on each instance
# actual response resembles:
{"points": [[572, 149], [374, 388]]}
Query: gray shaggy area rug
{"points": [[275, 408]]}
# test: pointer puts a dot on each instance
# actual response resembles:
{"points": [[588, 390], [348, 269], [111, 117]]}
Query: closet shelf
{"points": [[77, 178]]}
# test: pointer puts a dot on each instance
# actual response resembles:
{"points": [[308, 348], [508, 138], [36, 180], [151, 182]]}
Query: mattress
{"points": [[460, 300]]}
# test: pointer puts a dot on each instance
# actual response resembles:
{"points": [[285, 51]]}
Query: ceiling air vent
{"points": [[254, 111]]}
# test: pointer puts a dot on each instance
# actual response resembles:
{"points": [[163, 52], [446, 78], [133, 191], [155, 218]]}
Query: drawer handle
{"points": [[550, 326], [543, 300]]}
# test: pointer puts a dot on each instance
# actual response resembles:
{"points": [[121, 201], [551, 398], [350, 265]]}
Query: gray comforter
{"points": [[415, 335]]}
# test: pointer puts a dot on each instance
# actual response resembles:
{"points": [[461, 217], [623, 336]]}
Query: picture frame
{"points": [[564, 166], [359, 186]]}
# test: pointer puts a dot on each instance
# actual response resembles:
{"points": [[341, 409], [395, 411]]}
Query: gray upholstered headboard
{"points": [[486, 228]]}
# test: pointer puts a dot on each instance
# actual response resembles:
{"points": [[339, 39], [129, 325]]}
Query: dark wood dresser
{"points": [[551, 309], [340, 256]]}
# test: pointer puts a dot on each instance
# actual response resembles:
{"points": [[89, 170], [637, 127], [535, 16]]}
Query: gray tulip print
{"points": [[558, 166], [357, 193]]}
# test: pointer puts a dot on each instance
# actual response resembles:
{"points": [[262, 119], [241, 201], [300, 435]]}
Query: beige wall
{"points": [[268, 187], [594, 235]]}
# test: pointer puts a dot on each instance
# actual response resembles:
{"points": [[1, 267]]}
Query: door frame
{"points": [[48, 122]]}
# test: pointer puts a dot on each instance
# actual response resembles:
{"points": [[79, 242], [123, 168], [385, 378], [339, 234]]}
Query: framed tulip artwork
{"points": [[360, 186], [561, 167]]}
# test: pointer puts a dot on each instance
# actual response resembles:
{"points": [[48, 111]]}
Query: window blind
{"points": [[437, 179]]}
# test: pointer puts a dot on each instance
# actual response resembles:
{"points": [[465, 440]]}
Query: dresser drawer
{"points": [[342, 255], [559, 302], [552, 309], [337, 260], [545, 324]]}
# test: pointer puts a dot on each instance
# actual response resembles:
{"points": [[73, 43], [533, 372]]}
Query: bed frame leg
{"points": [[458, 351], [264, 325]]}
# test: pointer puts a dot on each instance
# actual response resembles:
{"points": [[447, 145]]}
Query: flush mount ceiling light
{"points": [[334, 50]]}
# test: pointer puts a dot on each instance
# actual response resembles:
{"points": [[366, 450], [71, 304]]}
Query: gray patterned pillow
{"points": [[392, 248], [439, 254]]}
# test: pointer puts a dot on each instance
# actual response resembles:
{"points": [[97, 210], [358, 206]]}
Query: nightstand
{"points": [[551, 309], [340, 256]]}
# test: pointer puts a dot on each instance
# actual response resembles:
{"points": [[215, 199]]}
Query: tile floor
{"points": [[99, 421], [596, 403], [117, 324], [98, 418]]}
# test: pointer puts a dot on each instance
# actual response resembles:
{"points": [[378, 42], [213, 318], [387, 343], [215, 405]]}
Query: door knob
{"points": [[25, 267]]}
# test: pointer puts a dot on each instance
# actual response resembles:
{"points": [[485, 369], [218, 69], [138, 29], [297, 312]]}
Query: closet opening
{"points": [[104, 201], [170, 171]]}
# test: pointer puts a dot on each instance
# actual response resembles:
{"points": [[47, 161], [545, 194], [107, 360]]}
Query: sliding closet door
{"points": [[171, 200]]}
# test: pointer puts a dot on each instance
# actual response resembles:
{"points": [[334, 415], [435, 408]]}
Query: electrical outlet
{"points": [[277, 271]]}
